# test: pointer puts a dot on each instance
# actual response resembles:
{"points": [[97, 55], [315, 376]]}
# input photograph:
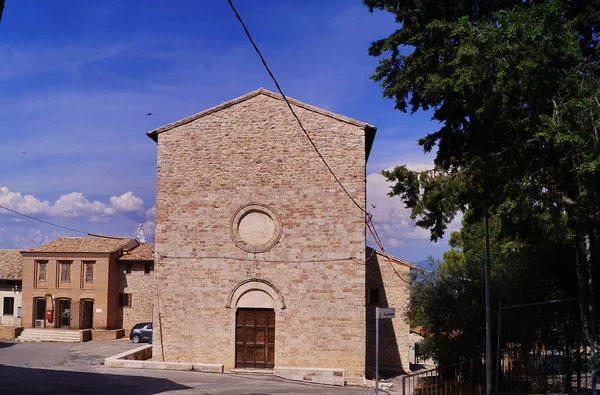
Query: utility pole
{"points": [[488, 319], [1, 9]]}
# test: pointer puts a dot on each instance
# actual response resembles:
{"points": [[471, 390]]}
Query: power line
{"points": [[371, 225], [45, 222], [264, 62]]}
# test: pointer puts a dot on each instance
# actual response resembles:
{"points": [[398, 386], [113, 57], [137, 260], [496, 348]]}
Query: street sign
{"points": [[387, 313], [380, 314]]}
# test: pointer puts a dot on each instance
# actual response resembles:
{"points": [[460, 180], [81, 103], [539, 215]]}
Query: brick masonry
{"points": [[102, 290], [254, 152]]}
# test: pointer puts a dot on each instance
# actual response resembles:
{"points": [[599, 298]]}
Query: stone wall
{"points": [[254, 152], [392, 280], [141, 286]]}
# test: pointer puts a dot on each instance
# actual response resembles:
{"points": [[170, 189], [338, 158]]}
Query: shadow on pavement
{"points": [[17, 380], [6, 344]]}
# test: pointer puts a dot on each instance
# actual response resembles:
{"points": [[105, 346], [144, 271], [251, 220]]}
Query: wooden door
{"points": [[255, 339], [87, 314]]}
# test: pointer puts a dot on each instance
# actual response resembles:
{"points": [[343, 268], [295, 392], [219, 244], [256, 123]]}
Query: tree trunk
{"points": [[586, 303]]}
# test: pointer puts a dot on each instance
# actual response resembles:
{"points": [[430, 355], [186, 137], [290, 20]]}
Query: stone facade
{"points": [[247, 215], [136, 278], [388, 285], [99, 296]]}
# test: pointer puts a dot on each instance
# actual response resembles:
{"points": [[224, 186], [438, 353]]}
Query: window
{"points": [[125, 300], [89, 272], [65, 272], [128, 267], [374, 295], [41, 270], [9, 306], [148, 267]]}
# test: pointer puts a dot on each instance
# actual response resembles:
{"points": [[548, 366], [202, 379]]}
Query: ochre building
{"points": [[76, 278]]}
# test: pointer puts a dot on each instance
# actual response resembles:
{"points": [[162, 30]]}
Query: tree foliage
{"points": [[449, 301], [515, 87]]}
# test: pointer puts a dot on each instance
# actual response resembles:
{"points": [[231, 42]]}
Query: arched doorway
{"points": [[255, 302], [86, 308]]}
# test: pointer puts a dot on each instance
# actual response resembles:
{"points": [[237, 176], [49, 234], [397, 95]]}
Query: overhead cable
{"points": [[264, 62]]}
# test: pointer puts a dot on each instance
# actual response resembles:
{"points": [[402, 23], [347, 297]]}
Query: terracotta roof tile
{"points": [[143, 252], [11, 265], [83, 244]]}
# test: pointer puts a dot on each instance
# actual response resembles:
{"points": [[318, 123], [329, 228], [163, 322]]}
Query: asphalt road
{"points": [[68, 368]]}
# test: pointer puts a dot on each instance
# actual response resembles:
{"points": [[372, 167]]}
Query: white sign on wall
{"points": [[98, 310]]}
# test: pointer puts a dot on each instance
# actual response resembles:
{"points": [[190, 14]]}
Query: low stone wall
{"points": [[139, 358], [10, 332], [330, 376], [107, 334]]}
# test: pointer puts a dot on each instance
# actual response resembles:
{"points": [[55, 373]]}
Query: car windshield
{"points": [[139, 326]]}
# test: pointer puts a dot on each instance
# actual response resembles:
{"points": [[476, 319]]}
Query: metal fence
{"points": [[465, 378], [524, 369]]}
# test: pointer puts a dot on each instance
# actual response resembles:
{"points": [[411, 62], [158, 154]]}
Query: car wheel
{"points": [[135, 338]]}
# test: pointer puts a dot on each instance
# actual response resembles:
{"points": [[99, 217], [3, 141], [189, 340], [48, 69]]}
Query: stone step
{"points": [[49, 335], [252, 371], [76, 334], [47, 339], [28, 335], [39, 340]]}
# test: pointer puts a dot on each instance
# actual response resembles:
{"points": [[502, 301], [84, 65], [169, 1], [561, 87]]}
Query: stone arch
{"points": [[252, 288]]}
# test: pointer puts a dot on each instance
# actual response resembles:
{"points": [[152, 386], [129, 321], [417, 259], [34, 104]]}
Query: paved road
{"points": [[67, 368]]}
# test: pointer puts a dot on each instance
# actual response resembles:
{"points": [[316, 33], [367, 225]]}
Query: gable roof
{"points": [[402, 262], [11, 265], [100, 245], [143, 252], [369, 129]]}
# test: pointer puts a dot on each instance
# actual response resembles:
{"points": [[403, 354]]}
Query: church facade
{"points": [[259, 252]]}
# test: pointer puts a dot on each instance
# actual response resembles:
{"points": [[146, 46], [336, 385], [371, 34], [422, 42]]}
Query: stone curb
{"points": [[128, 359]]}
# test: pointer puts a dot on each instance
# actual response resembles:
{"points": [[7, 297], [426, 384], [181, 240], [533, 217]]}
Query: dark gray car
{"points": [[141, 332]]}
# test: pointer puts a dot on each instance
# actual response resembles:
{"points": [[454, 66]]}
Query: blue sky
{"points": [[78, 77]]}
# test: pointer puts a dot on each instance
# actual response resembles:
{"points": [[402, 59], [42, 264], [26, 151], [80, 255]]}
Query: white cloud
{"points": [[34, 238], [127, 202], [71, 205], [392, 218]]}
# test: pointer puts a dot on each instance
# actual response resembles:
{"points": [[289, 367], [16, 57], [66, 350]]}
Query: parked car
{"points": [[141, 332]]}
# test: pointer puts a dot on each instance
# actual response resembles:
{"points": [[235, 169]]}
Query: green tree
{"points": [[515, 87], [449, 303]]}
